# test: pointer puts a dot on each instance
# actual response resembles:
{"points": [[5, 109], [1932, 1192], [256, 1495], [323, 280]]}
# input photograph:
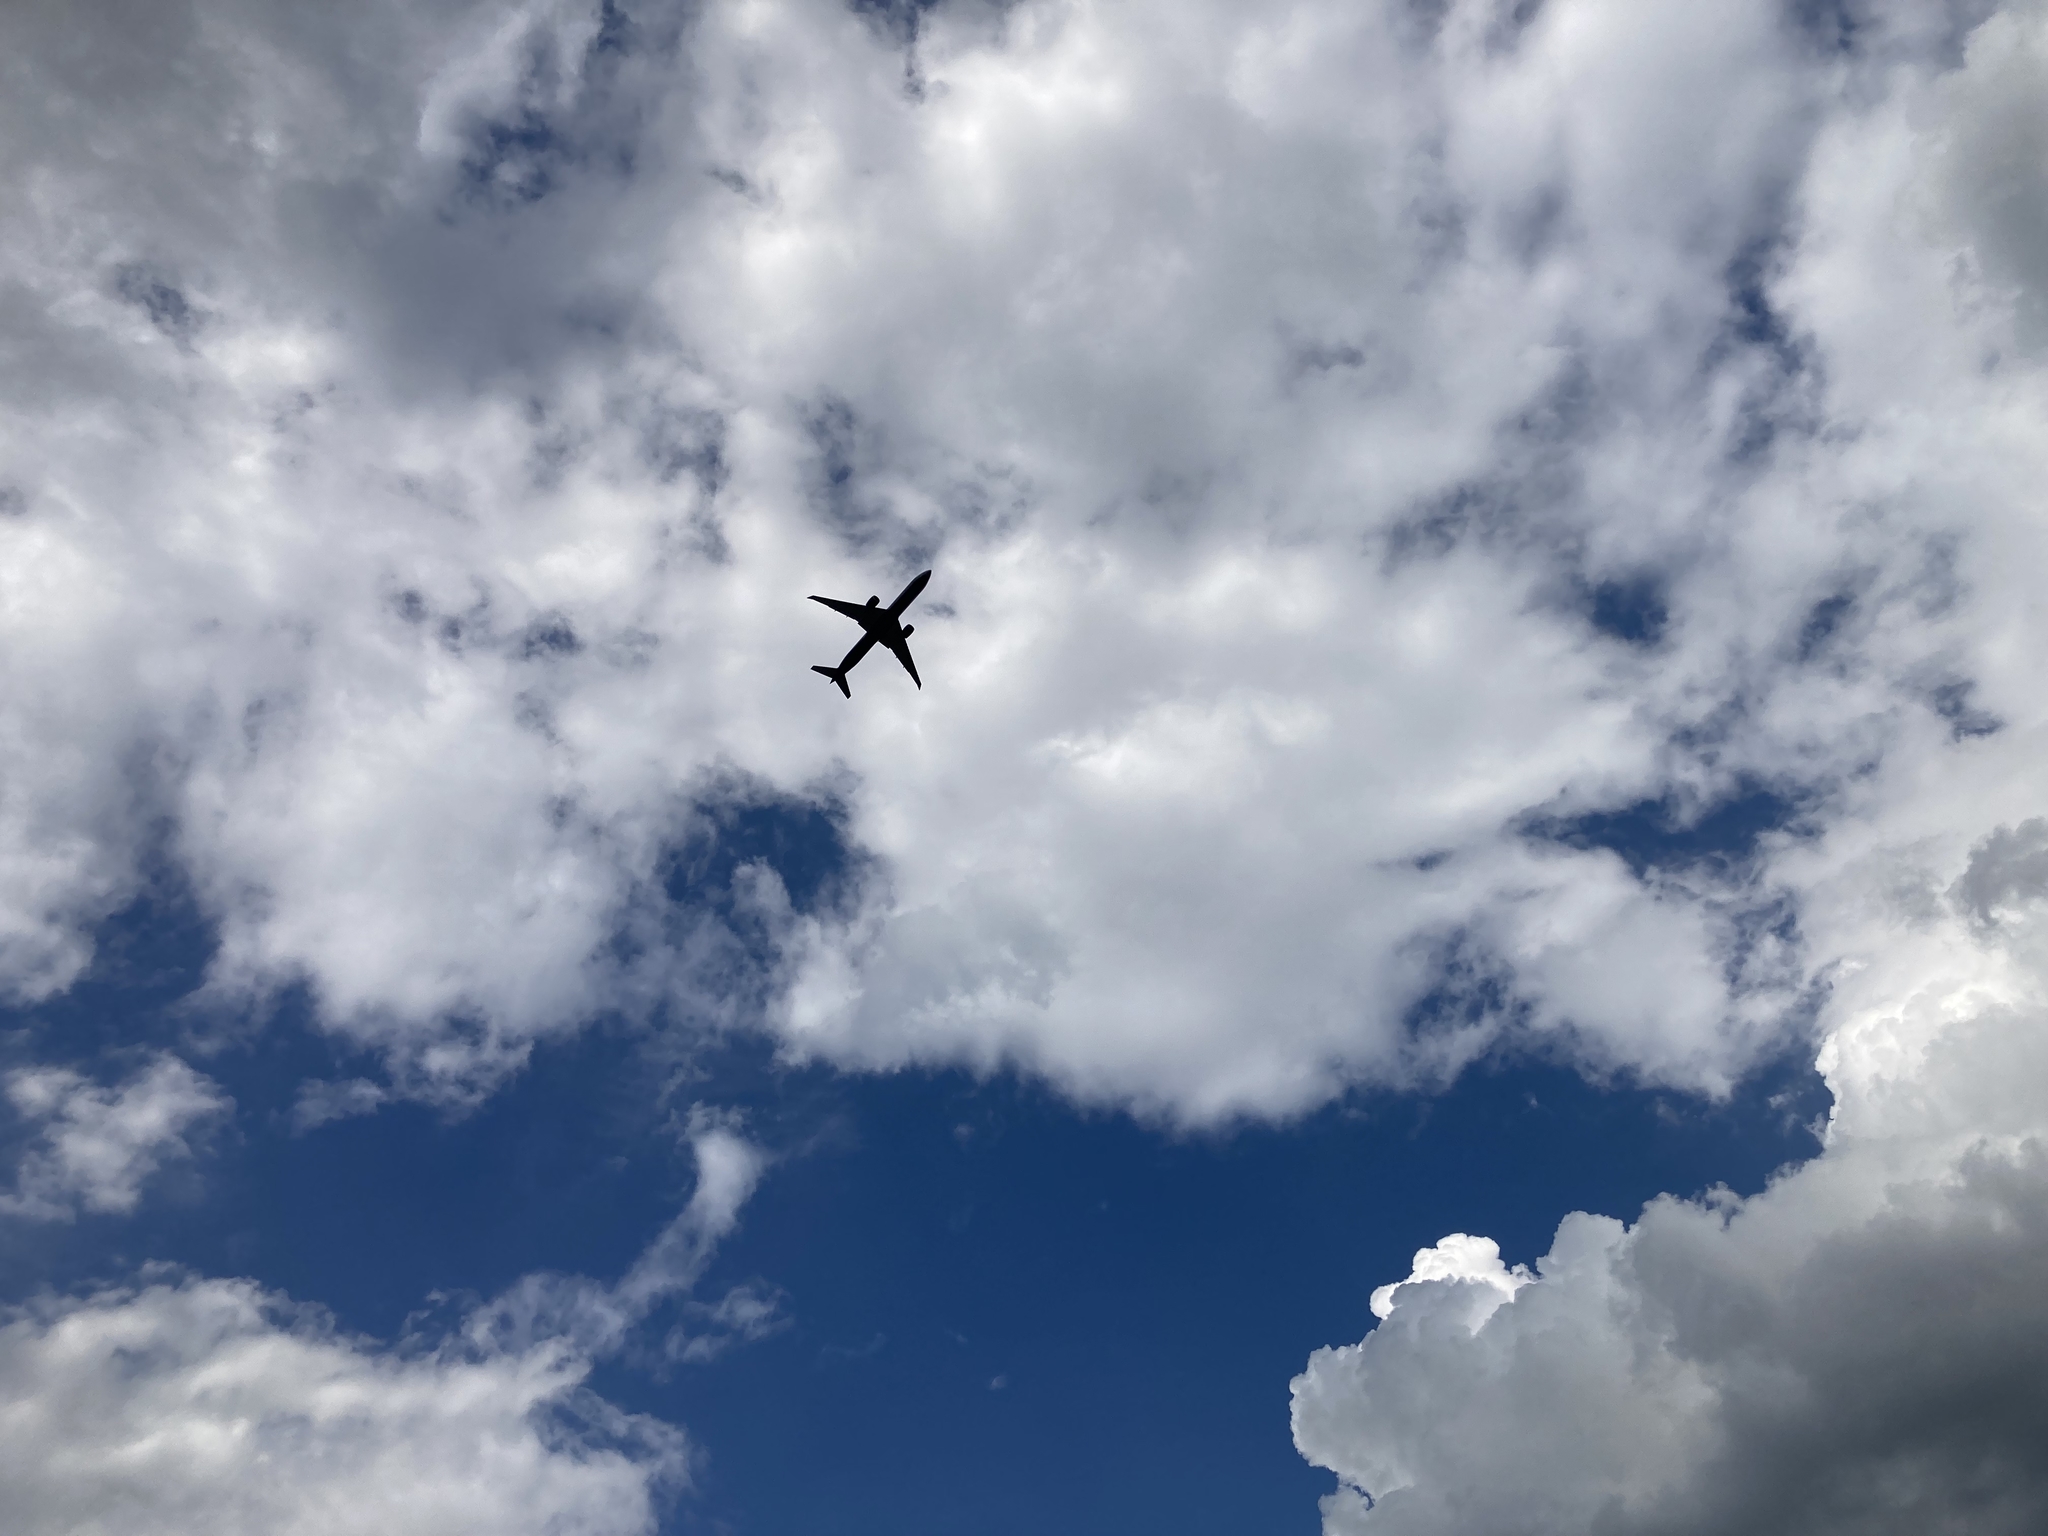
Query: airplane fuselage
{"points": [[881, 623]]}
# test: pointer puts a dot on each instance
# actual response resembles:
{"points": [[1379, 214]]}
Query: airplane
{"points": [[881, 625]]}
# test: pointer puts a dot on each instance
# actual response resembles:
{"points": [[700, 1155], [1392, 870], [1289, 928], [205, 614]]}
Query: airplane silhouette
{"points": [[881, 625]]}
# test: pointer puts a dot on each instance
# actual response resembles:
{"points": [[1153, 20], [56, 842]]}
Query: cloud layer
{"points": [[1356, 448], [1373, 456]]}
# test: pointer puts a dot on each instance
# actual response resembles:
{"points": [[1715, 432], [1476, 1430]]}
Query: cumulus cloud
{"points": [[95, 1147], [1472, 1263], [214, 1406], [1357, 443], [1861, 1347]]}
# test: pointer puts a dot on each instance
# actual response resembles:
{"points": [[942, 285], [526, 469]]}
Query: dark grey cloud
{"points": [[2008, 873], [1886, 1378]]}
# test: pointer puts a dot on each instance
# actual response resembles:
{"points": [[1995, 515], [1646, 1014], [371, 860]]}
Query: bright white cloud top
{"points": [[1353, 441]]}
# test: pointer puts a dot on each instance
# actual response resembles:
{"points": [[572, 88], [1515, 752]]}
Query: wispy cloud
{"points": [[94, 1147], [595, 1317]]}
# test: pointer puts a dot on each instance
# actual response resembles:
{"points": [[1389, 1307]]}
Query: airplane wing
{"points": [[902, 650], [906, 597], [861, 647], [855, 611]]}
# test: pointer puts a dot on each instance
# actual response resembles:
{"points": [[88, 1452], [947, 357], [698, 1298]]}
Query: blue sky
{"points": [[1454, 940], [979, 1283]]}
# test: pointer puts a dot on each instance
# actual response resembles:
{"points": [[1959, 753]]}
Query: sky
{"points": [[1457, 938]]}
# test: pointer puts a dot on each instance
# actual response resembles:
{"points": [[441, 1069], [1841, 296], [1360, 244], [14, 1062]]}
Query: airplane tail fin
{"points": [[838, 675]]}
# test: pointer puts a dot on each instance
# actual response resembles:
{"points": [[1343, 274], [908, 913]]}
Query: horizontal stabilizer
{"points": [[838, 675]]}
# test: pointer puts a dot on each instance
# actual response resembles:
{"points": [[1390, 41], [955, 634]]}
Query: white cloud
{"points": [[597, 1317], [322, 1101], [95, 1147], [199, 1405], [747, 1313], [1858, 1348], [211, 1406], [1275, 392]]}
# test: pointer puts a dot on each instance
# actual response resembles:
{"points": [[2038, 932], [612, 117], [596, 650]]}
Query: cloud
{"points": [[212, 1405], [2009, 870], [1471, 1263], [597, 1318], [747, 1313], [1857, 1348], [1992, 180], [197, 1405], [320, 1102], [1352, 441], [98, 1146], [1287, 671]]}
